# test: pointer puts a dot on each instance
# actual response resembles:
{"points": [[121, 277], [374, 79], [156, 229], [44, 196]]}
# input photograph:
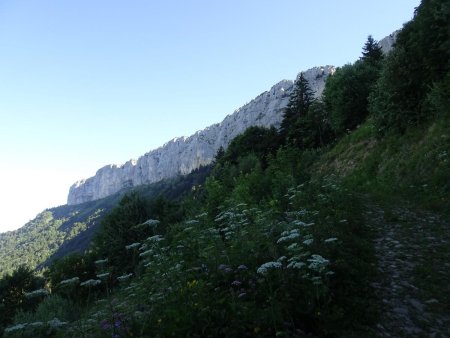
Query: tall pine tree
{"points": [[372, 51], [301, 99]]}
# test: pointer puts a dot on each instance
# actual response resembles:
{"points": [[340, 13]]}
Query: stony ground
{"points": [[413, 253]]}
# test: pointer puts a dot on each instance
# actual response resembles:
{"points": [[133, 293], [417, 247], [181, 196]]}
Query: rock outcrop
{"points": [[184, 154], [387, 43]]}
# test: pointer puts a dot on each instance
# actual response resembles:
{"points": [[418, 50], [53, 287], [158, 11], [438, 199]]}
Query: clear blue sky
{"points": [[87, 83]]}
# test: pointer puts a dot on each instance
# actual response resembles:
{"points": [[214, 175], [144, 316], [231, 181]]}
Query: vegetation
{"points": [[277, 238]]}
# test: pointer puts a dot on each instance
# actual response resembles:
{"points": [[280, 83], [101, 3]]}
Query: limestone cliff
{"points": [[184, 154]]}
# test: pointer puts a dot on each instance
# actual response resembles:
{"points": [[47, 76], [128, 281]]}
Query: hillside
{"points": [[334, 225], [57, 232], [184, 154]]}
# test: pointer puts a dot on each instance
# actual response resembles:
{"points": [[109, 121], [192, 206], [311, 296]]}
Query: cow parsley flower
{"points": [[308, 241], [101, 261], [317, 262], [151, 222], [36, 324], [37, 293], [155, 238], [16, 327], [292, 246], [329, 240], [91, 282], [132, 246], [146, 253], [264, 268], [55, 322], [74, 280], [288, 235], [124, 277], [103, 275]]}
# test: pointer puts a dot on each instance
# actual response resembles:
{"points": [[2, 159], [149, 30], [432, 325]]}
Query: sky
{"points": [[88, 83]]}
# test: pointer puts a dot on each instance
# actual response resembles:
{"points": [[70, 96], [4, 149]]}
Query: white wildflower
{"points": [[101, 261], [37, 293], [281, 259], [155, 238], [302, 224], [317, 262], [263, 269], [146, 253], [16, 327], [132, 246], [55, 322], [103, 275], [308, 241], [292, 246], [91, 282], [151, 222], [74, 280], [288, 235], [191, 222], [124, 277], [36, 324], [329, 240]]}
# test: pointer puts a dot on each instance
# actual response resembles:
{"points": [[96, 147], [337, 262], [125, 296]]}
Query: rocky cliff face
{"points": [[184, 154], [387, 43]]}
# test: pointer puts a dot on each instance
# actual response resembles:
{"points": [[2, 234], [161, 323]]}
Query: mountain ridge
{"points": [[199, 149], [183, 154]]}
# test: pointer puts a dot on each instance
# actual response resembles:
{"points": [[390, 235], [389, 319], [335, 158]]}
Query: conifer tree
{"points": [[301, 99], [371, 50]]}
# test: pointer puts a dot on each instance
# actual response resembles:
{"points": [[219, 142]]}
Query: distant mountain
{"points": [[181, 155], [184, 154], [56, 232]]}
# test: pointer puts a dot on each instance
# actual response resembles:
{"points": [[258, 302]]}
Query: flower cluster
{"points": [[71, 281], [151, 222], [132, 246], [91, 282], [37, 293], [264, 269], [124, 277]]}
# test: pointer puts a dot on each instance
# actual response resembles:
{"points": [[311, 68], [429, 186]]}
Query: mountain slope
{"points": [[56, 232], [184, 154]]}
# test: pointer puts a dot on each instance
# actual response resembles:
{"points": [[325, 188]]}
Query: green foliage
{"points": [[299, 102], [54, 306], [255, 140], [118, 230], [419, 60], [372, 52], [275, 242], [13, 288], [346, 94], [313, 129]]}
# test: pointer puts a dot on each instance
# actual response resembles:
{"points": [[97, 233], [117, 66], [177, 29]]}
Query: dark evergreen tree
{"points": [[314, 129], [372, 51], [301, 99], [220, 153]]}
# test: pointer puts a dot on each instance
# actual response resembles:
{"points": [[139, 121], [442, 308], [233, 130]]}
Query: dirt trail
{"points": [[413, 253]]}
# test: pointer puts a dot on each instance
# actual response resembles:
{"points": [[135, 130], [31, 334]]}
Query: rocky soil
{"points": [[413, 253]]}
